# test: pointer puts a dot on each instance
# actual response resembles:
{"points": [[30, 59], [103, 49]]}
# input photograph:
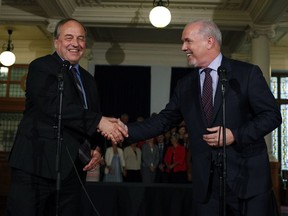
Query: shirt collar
{"points": [[214, 64], [75, 65]]}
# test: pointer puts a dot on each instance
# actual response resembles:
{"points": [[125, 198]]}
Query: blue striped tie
{"points": [[79, 85], [85, 148]]}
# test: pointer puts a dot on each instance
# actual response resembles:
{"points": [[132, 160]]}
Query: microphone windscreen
{"points": [[222, 73]]}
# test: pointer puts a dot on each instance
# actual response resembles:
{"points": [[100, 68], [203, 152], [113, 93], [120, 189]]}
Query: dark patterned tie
{"points": [[84, 149], [207, 95]]}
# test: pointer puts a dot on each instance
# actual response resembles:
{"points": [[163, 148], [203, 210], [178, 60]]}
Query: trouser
{"points": [[32, 195], [263, 204]]}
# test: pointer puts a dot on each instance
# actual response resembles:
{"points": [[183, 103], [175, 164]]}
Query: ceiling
{"points": [[126, 21]]}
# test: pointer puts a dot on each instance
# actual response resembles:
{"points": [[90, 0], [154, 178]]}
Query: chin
{"points": [[192, 64]]}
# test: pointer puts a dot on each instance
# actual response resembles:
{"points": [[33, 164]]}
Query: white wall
{"points": [[160, 87]]}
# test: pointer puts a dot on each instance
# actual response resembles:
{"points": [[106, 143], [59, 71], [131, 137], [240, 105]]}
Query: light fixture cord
{"points": [[10, 45]]}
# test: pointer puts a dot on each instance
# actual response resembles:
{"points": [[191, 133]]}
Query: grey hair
{"points": [[61, 23], [209, 28]]}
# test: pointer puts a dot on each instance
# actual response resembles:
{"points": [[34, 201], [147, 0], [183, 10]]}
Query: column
{"points": [[260, 36]]}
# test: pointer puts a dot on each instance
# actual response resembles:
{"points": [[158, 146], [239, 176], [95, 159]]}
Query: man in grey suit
{"points": [[33, 157], [251, 113]]}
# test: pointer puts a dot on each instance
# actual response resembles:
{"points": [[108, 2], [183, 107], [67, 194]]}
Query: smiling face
{"points": [[70, 44], [200, 47]]}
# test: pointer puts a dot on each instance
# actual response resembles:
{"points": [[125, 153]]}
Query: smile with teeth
{"points": [[73, 50]]}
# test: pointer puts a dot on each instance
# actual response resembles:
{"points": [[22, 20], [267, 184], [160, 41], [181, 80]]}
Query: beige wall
{"points": [[135, 54]]}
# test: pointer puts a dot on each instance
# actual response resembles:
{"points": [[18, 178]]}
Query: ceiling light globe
{"points": [[7, 58], [160, 16]]}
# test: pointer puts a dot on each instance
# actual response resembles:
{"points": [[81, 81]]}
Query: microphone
{"points": [[222, 74], [65, 67]]}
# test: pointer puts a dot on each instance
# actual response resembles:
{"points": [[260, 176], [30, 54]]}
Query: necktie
{"points": [[79, 85], [84, 149], [161, 151], [85, 152], [207, 95]]}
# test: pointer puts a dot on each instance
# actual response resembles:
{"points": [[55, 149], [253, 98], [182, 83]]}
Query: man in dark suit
{"points": [[161, 174], [251, 113], [33, 157]]}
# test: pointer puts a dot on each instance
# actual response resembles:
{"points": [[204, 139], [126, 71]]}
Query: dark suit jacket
{"points": [[35, 146], [251, 113]]}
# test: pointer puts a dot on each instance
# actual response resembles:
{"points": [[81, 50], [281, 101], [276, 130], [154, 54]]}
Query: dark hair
{"points": [[175, 135], [61, 23]]}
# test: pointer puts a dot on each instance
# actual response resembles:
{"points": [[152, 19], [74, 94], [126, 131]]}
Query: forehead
{"points": [[191, 31], [72, 27]]}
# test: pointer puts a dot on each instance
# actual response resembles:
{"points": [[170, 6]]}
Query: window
{"points": [[12, 99], [12, 81], [279, 87]]}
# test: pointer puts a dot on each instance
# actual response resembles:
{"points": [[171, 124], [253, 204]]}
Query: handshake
{"points": [[112, 129]]}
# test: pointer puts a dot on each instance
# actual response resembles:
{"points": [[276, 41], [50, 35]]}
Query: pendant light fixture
{"points": [[7, 57], [160, 15]]}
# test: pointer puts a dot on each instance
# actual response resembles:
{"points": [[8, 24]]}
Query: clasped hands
{"points": [[113, 129]]}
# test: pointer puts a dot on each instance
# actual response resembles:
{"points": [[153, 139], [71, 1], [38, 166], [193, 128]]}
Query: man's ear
{"points": [[210, 42]]}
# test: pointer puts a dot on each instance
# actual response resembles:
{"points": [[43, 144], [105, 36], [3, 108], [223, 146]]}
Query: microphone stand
{"points": [[59, 143], [223, 164], [65, 67]]}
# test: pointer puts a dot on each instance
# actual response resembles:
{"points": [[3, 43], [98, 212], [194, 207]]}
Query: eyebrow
{"points": [[71, 35]]}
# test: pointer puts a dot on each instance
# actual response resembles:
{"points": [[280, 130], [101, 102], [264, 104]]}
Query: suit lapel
{"points": [[193, 97], [218, 96]]}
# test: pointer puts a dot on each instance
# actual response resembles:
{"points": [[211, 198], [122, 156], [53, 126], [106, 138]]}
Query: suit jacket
{"points": [[35, 145], [162, 154], [251, 113], [149, 157]]}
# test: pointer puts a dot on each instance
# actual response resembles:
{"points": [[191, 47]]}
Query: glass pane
{"points": [[275, 143], [18, 74], [15, 90], [274, 86], [3, 88], [3, 73], [284, 87], [284, 132], [9, 123]]}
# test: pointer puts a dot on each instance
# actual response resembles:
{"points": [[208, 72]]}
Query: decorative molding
{"points": [[52, 24], [90, 3], [18, 2], [267, 30], [67, 6]]}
